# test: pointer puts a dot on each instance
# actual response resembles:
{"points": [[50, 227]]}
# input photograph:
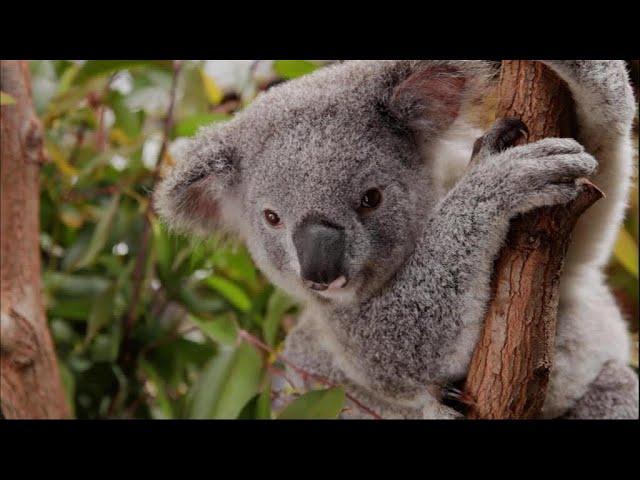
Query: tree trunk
{"points": [[510, 368], [30, 385]]}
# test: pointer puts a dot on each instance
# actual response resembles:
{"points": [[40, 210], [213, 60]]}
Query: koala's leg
{"points": [[304, 348], [590, 332], [605, 107], [612, 395]]}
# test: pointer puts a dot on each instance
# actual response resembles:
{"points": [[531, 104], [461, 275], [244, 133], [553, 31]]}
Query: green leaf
{"points": [[236, 264], [104, 348], [100, 234], [199, 303], [129, 121], [166, 410], [101, 313], [279, 304], [162, 247], [94, 68], [189, 126], [70, 309], [62, 332], [75, 285], [6, 99], [69, 383], [231, 292], [227, 383], [221, 329], [293, 68], [626, 252], [263, 407], [319, 404]]}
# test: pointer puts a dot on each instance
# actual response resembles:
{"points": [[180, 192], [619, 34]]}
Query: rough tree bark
{"points": [[510, 368], [30, 385]]}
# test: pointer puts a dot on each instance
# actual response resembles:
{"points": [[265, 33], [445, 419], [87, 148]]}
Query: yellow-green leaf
{"points": [[6, 99], [71, 216], [211, 89], [58, 158], [293, 68], [626, 252]]}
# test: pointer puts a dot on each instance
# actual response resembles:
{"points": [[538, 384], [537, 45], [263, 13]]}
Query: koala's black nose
{"points": [[320, 249]]}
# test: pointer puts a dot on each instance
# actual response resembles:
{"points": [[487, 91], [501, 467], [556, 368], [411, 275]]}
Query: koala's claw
{"points": [[504, 133], [456, 398]]}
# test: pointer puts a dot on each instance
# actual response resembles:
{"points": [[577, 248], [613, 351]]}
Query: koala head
{"points": [[324, 176]]}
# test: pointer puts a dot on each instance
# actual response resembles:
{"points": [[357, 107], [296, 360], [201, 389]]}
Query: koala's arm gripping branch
{"points": [[510, 368]]}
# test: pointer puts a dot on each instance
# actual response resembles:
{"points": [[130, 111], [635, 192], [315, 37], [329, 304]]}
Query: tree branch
{"points": [[510, 369], [305, 373], [30, 384]]}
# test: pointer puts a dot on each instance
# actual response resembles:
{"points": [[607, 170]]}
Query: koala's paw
{"points": [[441, 412], [539, 174], [504, 133]]}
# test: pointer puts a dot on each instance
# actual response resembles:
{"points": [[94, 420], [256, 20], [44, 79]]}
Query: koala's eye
{"points": [[272, 218], [370, 200]]}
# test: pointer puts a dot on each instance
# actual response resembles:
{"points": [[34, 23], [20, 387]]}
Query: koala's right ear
{"points": [[192, 197]]}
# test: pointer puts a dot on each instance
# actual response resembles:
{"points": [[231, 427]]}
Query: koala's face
{"points": [[332, 208], [322, 176]]}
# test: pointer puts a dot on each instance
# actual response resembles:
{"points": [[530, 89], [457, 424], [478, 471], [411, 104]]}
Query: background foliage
{"points": [[148, 324]]}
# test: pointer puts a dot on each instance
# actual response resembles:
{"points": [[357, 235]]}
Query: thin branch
{"points": [[141, 258], [305, 373], [79, 142], [98, 103]]}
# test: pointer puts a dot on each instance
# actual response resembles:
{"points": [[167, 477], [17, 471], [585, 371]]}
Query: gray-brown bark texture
{"points": [[30, 385], [510, 368]]}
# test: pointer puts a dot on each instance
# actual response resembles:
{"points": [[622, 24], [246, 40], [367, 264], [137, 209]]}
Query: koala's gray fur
{"points": [[419, 266]]}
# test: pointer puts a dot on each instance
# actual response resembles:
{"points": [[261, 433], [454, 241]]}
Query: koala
{"points": [[353, 190]]}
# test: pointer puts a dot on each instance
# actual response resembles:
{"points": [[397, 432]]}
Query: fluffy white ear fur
{"points": [[434, 95], [197, 195]]}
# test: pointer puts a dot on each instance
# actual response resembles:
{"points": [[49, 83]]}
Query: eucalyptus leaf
{"points": [[101, 313], [94, 68], [100, 234], [75, 285], [188, 126], [293, 68], [221, 329], [233, 293], [159, 391], [319, 404], [279, 304], [227, 383]]}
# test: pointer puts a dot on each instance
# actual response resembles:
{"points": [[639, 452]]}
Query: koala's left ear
{"points": [[435, 92], [191, 198]]}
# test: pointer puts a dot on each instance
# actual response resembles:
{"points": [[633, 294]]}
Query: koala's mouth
{"points": [[337, 284]]}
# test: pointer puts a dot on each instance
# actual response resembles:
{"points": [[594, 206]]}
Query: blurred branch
{"points": [[74, 196], [305, 373], [82, 128], [141, 258]]}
